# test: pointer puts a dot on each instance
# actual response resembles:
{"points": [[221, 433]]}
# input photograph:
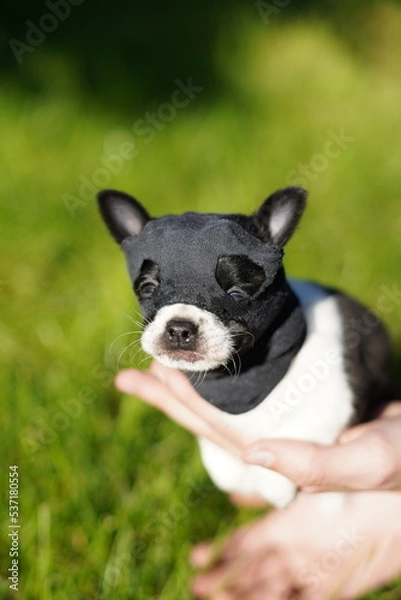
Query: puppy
{"points": [[281, 358]]}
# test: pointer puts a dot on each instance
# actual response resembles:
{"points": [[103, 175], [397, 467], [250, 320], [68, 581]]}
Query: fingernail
{"points": [[259, 457]]}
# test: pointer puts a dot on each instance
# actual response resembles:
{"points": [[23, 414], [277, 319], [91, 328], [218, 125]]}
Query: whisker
{"points": [[227, 368], [198, 376], [124, 350], [122, 335], [144, 359], [204, 377], [138, 358], [144, 321], [191, 378], [238, 366]]}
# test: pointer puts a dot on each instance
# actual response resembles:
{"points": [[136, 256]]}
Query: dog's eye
{"points": [[237, 294], [148, 281], [239, 276], [147, 289]]}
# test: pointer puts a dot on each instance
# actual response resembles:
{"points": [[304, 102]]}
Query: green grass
{"points": [[112, 494]]}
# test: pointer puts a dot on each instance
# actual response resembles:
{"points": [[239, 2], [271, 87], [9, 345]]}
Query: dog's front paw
{"points": [[231, 475], [274, 487]]}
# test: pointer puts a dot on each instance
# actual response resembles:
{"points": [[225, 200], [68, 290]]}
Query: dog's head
{"points": [[209, 285]]}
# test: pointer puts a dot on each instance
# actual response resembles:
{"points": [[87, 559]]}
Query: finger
{"points": [[391, 410], [248, 501], [156, 393], [209, 583], [208, 554], [354, 432], [256, 573], [307, 464], [199, 556], [262, 574], [250, 538], [184, 391], [320, 489]]}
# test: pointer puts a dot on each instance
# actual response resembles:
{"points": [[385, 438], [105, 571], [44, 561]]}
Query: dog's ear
{"points": [[279, 215], [123, 215]]}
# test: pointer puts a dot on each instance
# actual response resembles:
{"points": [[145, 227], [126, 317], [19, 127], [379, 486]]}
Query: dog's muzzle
{"points": [[186, 337]]}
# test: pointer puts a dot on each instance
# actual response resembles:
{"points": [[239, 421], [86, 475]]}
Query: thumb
{"points": [[310, 464]]}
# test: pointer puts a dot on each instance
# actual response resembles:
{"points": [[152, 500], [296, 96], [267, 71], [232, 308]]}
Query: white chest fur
{"points": [[312, 402]]}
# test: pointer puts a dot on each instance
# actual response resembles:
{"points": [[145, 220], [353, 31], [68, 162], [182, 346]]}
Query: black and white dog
{"points": [[281, 359]]}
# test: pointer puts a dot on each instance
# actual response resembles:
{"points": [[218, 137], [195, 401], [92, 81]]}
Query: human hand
{"points": [[366, 457], [171, 392], [308, 551]]}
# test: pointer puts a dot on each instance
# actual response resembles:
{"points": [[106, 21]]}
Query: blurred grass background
{"points": [[112, 495]]}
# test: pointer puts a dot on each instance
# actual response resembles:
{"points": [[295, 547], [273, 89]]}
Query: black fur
{"points": [[367, 357]]}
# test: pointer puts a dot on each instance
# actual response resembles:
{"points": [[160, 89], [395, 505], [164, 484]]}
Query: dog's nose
{"points": [[181, 334]]}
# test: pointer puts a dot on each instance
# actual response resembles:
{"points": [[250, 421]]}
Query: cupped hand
{"points": [[366, 457]]}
